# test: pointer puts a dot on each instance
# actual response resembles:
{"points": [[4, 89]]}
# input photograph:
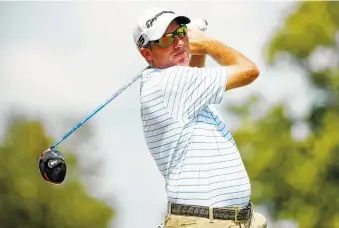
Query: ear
{"points": [[146, 53]]}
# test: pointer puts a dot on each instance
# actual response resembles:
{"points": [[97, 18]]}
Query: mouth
{"points": [[179, 53]]}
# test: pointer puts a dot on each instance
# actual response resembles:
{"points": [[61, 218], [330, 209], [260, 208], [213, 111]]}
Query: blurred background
{"points": [[61, 60]]}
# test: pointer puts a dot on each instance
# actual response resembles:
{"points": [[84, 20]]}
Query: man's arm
{"points": [[197, 61], [241, 71]]}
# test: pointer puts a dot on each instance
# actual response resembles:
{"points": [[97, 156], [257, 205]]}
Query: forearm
{"points": [[197, 61], [240, 70], [226, 55]]}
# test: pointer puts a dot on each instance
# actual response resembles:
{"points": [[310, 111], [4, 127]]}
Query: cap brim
{"points": [[161, 30]]}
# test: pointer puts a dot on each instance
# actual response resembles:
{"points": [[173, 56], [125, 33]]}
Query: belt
{"points": [[222, 213]]}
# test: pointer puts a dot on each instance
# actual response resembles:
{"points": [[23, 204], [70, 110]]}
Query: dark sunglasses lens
{"points": [[165, 41], [182, 31], [168, 39]]}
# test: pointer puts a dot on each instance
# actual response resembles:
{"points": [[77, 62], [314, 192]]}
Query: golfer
{"points": [[206, 182]]}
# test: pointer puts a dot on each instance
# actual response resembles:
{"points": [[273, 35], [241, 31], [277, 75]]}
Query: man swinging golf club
{"points": [[206, 182]]}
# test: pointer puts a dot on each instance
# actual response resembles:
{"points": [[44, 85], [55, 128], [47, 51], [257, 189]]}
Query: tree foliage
{"points": [[27, 201], [298, 179]]}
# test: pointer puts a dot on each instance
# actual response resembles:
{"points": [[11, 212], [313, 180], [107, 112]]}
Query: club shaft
{"points": [[94, 112]]}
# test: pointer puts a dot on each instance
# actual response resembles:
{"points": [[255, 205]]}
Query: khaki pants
{"points": [[175, 221]]}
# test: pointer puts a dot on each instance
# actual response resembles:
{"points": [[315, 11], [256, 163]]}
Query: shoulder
{"points": [[155, 75], [151, 77], [151, 71]]}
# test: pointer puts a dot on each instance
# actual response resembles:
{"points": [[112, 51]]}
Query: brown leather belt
{"points": [[222, 213]]}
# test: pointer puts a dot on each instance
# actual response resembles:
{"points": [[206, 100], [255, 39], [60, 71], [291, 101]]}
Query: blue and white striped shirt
{"points": [[191, 145]]}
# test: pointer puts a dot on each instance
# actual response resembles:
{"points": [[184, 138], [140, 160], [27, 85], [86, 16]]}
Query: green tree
{"points": [[298, 179], [27, 201]]}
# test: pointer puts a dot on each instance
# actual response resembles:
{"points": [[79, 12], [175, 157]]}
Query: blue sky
{"points": [[63, 59]]}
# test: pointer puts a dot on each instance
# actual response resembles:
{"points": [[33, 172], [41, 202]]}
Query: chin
{"points": [[183, 60]]}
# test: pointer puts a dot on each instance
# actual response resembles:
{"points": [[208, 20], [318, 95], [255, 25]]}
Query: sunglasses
{"points": [[169, 38]]}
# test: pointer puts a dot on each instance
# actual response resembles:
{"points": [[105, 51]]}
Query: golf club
{"points": [[52, 163]]}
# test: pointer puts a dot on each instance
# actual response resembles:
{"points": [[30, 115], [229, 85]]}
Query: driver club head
{"points": [[52, 166]]}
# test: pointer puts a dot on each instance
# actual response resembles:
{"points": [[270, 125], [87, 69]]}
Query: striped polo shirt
{"points": [[191, 145]]}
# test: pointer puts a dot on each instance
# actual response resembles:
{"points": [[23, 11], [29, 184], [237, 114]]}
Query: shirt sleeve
{"points": [[186, 90]]}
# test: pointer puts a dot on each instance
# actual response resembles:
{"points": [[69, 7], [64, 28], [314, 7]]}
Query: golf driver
{"points": [[52, 164]]}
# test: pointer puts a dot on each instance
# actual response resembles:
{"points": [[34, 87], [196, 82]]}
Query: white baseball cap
{"points": [[152, 24]]}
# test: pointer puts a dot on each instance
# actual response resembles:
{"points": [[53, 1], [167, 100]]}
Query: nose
{"points": [[178, 42]]}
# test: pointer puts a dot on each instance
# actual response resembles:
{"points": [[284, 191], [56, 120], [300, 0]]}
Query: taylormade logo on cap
{"points": [[149, 23]]}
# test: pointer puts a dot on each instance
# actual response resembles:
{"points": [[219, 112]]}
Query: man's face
{"points": [[176, 54]]}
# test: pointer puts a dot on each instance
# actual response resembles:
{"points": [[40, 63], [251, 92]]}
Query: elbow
{"points": [[253, 73], [256, 71], [242, 75]]}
